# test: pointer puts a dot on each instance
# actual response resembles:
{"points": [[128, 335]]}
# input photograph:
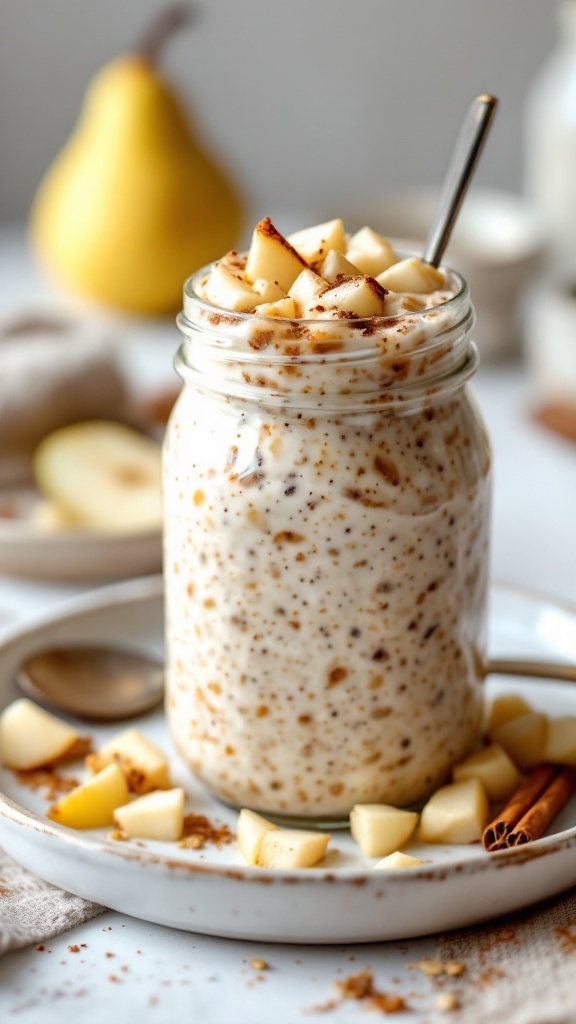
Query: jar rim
{"points": [[221, 316]]}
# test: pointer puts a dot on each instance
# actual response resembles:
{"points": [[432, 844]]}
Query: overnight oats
{"points": [[327, 489]]}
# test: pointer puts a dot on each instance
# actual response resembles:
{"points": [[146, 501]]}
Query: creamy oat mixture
{"points": [[325, 555]]}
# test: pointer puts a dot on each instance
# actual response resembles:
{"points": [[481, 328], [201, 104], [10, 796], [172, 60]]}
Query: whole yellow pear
{"points": [[132, 206]]}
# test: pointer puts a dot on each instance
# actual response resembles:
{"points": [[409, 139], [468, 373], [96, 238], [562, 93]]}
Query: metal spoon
{"points": [[533, 669], [93, 683], [466, 153]]}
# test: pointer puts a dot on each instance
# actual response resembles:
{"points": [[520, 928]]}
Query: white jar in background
{"points": [[550, 141]]}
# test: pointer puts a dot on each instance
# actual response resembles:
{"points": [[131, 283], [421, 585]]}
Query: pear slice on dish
{"points": [[104, 475], [31, 737]]}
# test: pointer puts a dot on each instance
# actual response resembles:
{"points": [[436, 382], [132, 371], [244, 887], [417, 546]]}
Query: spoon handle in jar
{"points": [[459, 174], [534, 669]]}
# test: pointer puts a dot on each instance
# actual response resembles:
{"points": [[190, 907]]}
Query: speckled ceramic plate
{"points": [[27, 550], [342, 900]]}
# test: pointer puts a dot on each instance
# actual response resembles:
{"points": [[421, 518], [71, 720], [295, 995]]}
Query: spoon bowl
{"points": [[93, 683]]}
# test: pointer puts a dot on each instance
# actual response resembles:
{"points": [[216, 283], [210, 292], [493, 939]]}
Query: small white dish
{"points": [[71, 555], [212, 891]]}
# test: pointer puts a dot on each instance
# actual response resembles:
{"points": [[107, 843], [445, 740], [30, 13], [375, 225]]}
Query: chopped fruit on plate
{"points": [[560, 742], [158, 815], [397, 860], [143, 763], [494, 768], [457, 813], [32, 738], [92, 804], [264, 844], [307, 289], [291, 848], [228, 290], [251, 830], [379, 829], [504, 709], [523, 739]]}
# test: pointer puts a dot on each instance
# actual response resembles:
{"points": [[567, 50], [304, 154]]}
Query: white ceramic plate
{"points": [[88, 555], [343, 900]]}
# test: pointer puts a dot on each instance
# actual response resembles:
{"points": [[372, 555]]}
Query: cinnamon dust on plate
{"points": [[198, 831]]}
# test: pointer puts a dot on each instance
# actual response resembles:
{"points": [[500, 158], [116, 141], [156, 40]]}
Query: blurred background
{"points": [[310, 104]]}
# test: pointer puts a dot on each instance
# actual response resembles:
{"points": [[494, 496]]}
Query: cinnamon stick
{"points": [[535, 822], [496, 833]]}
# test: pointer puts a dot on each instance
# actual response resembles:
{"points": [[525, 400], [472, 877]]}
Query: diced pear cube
{"points": [[494, 768], [291, 848], [397, 860], [560, 743], [158, 815], [523, 738], [31, 737], [379, 829], [269, 291], [371, 253], [336, 265], [251, 830], [504, 709], [412, 275], [283, 308], [314, 243], [457, 813], [143, 763], [92, 804], [307, 289], [229, 291], [272, 257], [361, 296]]}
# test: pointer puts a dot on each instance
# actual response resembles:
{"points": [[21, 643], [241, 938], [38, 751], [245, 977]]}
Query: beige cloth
{"points": [[33, 911], [522, 970], [54, 369]]}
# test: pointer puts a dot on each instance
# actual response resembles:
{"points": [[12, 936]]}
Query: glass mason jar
{"points": [[327, 491]]}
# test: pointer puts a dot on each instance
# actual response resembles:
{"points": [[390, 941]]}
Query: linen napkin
{"points": [[33, 911], [54, 369], [521, 970]]}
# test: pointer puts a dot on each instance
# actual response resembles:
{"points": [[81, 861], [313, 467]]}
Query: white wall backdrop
{"points": [[309, 101]]}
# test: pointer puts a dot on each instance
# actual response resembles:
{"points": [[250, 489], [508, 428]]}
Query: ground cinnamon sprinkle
{"points": [[566, 939], [48, 779], [360, 986], [198, 830], [74, 949]]}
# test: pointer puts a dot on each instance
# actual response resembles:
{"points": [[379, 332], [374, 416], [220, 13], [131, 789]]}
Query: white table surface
{"points": [[162, 975]]}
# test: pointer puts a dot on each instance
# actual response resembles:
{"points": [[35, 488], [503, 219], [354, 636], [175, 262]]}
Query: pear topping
{"points": [[336, 265], [324, 276], [370, 252], [283, 308], [271, 256], [307, 289], [357, 296], [314, 243], [411, 275], [228, 290]]}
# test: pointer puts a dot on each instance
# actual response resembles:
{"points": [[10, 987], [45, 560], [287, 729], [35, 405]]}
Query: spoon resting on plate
{"points": [[95, 683], [105, 684]]}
